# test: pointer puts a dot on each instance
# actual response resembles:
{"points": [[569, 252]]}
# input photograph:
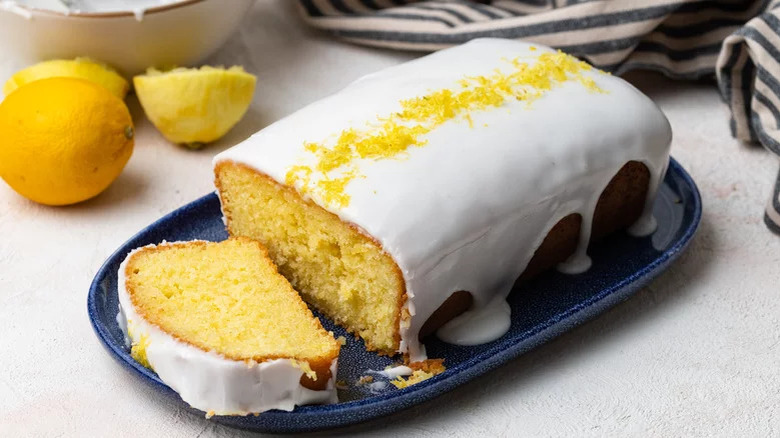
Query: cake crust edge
{"points": [[400, 316]]}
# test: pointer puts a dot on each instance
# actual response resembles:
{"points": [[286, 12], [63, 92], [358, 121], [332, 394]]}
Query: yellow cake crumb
{"points": [[435, 366], [416, 377], [364, 380], [391, 136], [423, 370]]}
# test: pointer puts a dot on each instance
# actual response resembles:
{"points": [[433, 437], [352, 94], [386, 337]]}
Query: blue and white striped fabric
{"points": [[737, 41]]}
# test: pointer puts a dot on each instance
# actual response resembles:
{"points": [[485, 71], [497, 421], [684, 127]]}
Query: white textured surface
{"points": [[696, 353]]}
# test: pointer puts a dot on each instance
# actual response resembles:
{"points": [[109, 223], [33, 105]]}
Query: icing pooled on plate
{"points": [[459, 163], [479, 325], [393, 372]]}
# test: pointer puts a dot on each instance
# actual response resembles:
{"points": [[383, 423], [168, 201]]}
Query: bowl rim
{"points": [[112, 14]]}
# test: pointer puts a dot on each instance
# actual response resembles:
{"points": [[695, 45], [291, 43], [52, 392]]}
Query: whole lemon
{"points": [[63, 140]]}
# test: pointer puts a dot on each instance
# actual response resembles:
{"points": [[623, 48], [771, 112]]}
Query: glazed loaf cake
{"points": [[427, 189]]}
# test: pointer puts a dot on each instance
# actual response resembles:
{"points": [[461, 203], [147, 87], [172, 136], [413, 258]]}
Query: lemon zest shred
{"points": [[138, 347], [392, 136], [334, 187]]}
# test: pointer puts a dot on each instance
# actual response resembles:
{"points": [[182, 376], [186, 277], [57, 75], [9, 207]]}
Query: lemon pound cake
{"points": [[221, 327], [427, 189]]}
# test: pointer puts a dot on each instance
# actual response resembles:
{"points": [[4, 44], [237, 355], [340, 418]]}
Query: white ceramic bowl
{"points": [[181, 34]]}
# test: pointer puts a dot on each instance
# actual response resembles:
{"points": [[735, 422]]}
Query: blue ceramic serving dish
{"points": [[621, 265]]}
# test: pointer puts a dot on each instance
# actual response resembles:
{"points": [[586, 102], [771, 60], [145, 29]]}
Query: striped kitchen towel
{"points": [[737, 41]]}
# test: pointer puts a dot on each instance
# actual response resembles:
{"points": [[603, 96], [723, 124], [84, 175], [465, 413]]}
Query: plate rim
{"points": [[438, 385]]}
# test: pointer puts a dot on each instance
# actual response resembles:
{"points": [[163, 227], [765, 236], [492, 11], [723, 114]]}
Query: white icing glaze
{"points": [[479, 325], [137, 7], [377, 387], [468, 210], [213, 383], [393, 372], [646, 224], [13, 6], [577, 263]]}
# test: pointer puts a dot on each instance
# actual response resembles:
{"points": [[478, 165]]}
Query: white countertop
{"points": [[695, 353]]}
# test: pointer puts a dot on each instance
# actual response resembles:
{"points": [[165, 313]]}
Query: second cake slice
{"points": [[221, 327]]}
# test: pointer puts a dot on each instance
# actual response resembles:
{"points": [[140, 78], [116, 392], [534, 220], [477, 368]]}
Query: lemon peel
{"points": [[82, 68]]}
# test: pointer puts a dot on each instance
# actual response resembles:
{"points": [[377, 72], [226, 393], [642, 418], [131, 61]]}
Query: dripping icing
{"points": [[647, 224], [479, 325]]}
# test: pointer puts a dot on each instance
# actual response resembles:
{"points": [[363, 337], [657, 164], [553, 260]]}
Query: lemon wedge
{"points": [[195, 106], [82, 68]]}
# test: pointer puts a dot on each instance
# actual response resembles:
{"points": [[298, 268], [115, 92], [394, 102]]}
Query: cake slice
{"points": [[223, 328]]}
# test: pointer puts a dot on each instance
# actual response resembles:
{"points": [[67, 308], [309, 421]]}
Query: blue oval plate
{"points": [[622, 265]]}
